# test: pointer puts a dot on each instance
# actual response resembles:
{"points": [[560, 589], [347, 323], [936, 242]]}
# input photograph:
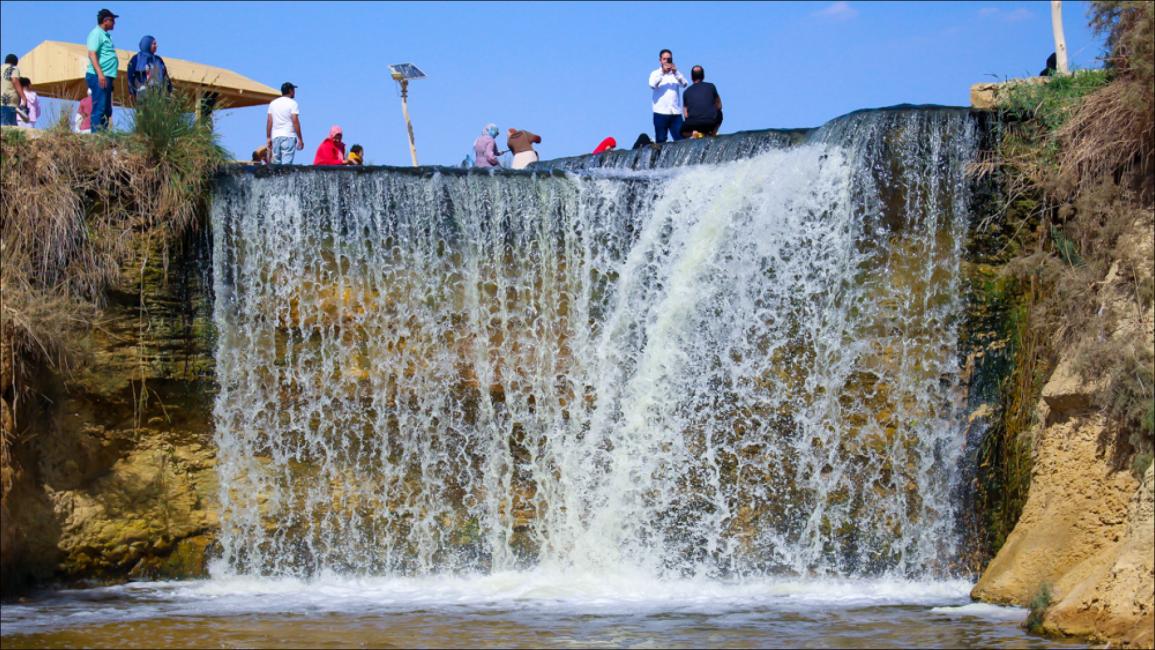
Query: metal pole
{"points": [[408, 124], [1060, 40]]}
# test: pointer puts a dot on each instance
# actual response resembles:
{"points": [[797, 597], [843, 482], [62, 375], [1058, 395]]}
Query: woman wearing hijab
{"points": [[146, 69], [331, 151], [485, 147]]}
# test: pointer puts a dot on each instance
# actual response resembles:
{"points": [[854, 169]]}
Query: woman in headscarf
{"points": [[146, 69], [331, 151], [485, 147]]}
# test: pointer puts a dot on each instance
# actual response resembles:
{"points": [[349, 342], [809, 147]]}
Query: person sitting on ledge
{"points": [[701, 105], [609, 144], [331, 151]]}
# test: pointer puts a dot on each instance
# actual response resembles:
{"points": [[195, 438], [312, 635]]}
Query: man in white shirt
{"points": [[283, 127], [667, 82]]}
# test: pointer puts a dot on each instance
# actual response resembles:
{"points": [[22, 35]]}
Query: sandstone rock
{"points": [[1067, 393], [117, 468], [148, 502], [1115, 602], [1077, 508], [188, 560], [1088, 527], [985, 96]]}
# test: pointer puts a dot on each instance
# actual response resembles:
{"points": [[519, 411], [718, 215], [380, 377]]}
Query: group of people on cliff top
{"points": [[695, 112], [680, 110], [283, 138], [20, 105], [147, 72]]}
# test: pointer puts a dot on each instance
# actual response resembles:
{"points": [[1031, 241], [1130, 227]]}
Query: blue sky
{"points": [[572, 72]]}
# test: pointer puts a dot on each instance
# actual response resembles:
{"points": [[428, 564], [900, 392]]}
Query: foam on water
{"points": [[541, 591], [983, 610]]}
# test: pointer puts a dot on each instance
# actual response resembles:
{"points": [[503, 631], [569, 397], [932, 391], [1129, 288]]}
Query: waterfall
{"points": [[735, 358]]}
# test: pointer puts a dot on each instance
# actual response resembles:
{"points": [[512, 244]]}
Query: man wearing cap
{"points": [[283, 126], [101, 72]]}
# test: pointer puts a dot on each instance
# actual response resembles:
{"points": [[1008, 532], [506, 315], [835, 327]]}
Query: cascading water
{"points": [[737, 368]]}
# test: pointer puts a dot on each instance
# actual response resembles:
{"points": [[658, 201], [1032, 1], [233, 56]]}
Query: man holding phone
{"points": [[667, 82]]}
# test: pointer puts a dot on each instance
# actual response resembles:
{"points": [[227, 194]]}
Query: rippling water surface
{"points": [[537, 609]]}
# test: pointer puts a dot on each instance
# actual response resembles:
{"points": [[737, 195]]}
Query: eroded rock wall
{"points": [[113, 467], [1087, 530]]}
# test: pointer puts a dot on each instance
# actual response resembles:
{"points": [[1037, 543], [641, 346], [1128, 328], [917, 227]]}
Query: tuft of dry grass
{"points": [[74, 211], [1111, 134]]}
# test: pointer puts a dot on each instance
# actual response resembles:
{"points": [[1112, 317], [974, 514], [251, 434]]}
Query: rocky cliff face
{"points": [[113, 467], [1087, 530]]}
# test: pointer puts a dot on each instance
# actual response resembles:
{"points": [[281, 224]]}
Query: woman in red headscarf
{"points": [[331, 151], [607, 145]]}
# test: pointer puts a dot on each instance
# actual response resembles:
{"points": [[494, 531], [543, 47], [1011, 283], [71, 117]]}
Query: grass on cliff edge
{"points": [[1078, 159], [76, 210]]}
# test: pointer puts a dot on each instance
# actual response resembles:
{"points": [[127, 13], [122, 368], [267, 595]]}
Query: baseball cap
{"points": [[104, 13], [287, 86]]}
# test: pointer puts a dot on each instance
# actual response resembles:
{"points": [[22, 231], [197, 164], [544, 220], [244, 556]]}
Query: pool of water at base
{"points": [[514, 610]]}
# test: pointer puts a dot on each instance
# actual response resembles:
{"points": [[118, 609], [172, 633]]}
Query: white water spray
{"points": [[727, 370]]}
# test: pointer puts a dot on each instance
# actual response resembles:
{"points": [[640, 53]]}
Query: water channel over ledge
{"points": [[701, 395]]}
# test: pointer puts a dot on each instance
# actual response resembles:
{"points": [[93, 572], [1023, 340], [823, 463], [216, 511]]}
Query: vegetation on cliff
{"points": [[1071, 448], [78, 210], [1077, 161]]}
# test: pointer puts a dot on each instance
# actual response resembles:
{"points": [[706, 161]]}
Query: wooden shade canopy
{"points": [[57, 69]]}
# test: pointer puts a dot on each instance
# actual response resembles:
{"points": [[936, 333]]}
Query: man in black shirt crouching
{"points": [[701, 106]]}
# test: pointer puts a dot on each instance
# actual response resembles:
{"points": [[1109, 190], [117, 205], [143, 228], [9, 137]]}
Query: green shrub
{"points": [[1049, 105], [185, 150], [1039, 603], [1140, 464]]}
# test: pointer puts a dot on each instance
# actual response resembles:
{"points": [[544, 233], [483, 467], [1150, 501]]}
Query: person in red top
{"points": [[331, 151], [606, 145], [84, 115]]}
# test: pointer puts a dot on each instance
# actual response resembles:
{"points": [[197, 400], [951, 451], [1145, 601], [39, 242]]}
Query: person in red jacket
{"points": [[606, 145], [331, 151]]}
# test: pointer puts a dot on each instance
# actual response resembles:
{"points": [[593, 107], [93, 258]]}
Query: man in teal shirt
{"points": [[101, 72]]}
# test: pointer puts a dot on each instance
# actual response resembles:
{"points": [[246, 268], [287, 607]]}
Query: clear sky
{"points": [[573, 72]]}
